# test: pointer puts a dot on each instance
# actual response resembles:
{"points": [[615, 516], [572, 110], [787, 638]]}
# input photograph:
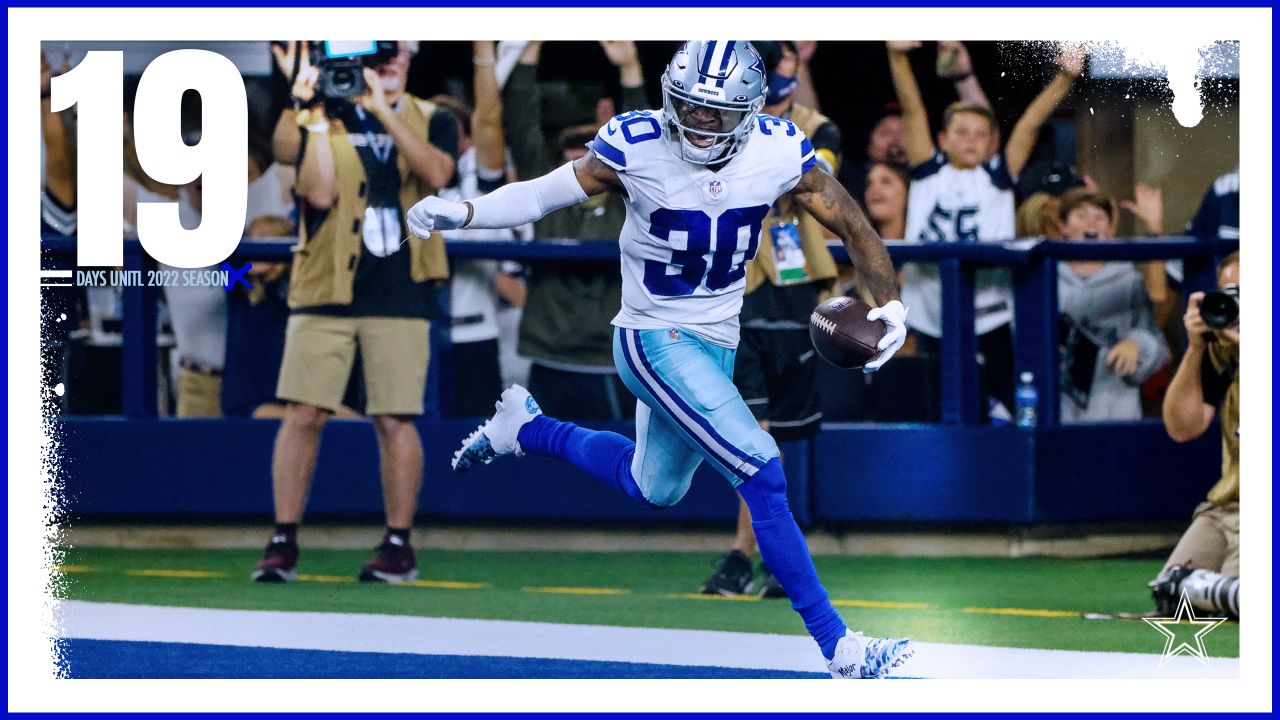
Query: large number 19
{"points": [[96, 85]]}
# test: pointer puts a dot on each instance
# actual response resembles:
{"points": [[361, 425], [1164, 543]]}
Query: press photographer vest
{"points": [[817, 258], [1224, 361], [324, 261]]}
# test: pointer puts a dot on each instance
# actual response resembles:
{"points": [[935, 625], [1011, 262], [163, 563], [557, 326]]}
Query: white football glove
{"points": [[894, 315], [434, 213]]}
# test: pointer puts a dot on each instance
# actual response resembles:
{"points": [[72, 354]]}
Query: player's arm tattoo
{"points": [[830, 204], [595, 176]]}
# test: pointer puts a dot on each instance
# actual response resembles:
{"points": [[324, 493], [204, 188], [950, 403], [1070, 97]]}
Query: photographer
{"points": [[1206, 562], [369, 151]]}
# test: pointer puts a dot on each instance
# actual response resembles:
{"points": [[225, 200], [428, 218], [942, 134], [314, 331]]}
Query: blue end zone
{"points": [[115, 659]]}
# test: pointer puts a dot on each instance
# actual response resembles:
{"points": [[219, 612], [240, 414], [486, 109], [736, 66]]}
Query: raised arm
{"points": [[805, 94], [317, 173], [914, 116], [954, 64], [522, 116], [1186, 415], [830, 204], [60, 170], [286, 141], [1023, 138], [518, 203], [486, 120]]}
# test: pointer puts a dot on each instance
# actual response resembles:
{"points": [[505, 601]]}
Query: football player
{"points": [[699, 176]]}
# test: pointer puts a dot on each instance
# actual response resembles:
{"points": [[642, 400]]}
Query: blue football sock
{"points": [[605, 456], [783, 549]]}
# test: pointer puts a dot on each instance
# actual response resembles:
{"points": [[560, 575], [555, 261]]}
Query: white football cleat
{"points": [[499, 434], [856, 657]]}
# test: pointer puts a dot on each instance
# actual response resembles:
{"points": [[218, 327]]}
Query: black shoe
{"points": [[393, 562], [1165, 589], [279, 563], [769, 587], [731, 578]]}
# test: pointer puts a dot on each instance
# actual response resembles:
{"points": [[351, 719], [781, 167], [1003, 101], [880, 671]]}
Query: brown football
{"points": [[842, 334]]}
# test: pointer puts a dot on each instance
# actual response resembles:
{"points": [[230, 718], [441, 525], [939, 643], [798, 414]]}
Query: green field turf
{"points": [[931, 599]]}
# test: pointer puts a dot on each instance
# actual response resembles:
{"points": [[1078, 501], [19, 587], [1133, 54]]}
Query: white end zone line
{"points": [[501, 638]]}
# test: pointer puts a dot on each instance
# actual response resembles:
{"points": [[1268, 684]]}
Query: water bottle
{"points": [[1026, 399]]}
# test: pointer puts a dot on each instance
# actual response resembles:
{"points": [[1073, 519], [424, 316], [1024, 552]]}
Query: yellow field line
{"points": [[447, 584], [578, 590], [176, 573], [881, 604], [703, 596], [1027, 612], [607, 591]]}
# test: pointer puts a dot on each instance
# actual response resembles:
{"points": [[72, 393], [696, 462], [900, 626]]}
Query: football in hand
{"points": [[842, 334]]}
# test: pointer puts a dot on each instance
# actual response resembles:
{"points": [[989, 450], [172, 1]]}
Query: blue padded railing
{"points": [[1033, 266]]}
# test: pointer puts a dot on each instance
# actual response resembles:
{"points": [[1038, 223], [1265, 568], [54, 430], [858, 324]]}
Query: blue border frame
{"points": [[903, 4], [654, 4]]}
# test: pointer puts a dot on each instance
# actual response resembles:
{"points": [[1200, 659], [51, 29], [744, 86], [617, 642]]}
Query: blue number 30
{"points": [[692, 261]]}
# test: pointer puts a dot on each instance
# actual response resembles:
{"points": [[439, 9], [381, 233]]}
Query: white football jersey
{"points": [[950, 205], [690, 231]]}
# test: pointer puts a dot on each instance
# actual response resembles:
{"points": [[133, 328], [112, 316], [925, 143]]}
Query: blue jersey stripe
{"points": [[610, 154], [808, 158]]}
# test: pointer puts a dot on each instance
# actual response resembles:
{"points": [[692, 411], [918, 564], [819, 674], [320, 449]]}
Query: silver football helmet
{"points": [[711, 92]]}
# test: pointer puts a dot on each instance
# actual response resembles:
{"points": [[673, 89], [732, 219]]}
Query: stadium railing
{"points": [[1033, 264], [958, 470]]}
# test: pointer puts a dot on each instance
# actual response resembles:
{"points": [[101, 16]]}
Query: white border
{"points": [[30, 685]]}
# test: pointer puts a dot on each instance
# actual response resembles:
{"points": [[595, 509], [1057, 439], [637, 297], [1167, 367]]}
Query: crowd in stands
{"points": [[545, 323]]}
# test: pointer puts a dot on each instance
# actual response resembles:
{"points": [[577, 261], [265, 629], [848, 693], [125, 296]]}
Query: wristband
{"points": [[320, 127], [483, 63]]}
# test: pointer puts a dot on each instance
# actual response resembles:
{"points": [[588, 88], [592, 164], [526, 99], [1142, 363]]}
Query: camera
{"points": [[342, 64], [1221, 309]]}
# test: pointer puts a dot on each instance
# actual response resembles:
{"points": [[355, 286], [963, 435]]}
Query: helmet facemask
{"points": [[704, 130]]}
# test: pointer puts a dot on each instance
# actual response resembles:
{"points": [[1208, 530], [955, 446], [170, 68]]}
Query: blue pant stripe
{"points": [[694, 414], [695, 424], [633, 365]]}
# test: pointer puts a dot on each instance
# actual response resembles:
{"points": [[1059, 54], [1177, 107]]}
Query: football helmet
{"points": [[711, 92]]}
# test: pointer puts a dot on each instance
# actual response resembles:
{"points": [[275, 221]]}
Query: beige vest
{"points": [[324, 264], [817, 258], [1227, 489]]}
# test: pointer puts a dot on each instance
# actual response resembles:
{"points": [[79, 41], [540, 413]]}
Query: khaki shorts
{"points": [[319, 351], [1213, 540], [199, 394]]}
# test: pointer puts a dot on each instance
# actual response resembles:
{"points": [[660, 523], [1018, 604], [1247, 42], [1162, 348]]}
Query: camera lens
{"points": [[343, 79], [1219, 310]]}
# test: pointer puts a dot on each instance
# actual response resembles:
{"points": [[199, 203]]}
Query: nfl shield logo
{"points": [[715, 188]]}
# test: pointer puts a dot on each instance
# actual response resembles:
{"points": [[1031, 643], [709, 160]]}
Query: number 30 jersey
{"points": [[690, 231]]}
